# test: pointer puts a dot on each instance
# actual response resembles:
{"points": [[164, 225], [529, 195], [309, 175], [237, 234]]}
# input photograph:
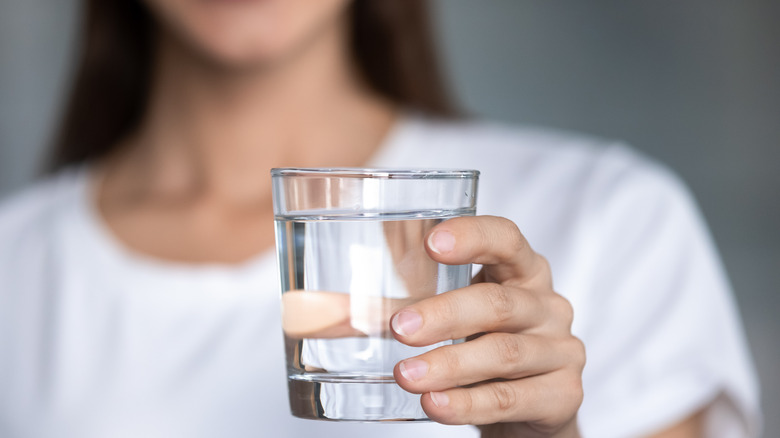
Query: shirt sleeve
{"points": [[661, 328]]}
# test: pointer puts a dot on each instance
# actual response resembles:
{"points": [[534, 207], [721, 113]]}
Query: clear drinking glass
{"points": [[351, 254]]}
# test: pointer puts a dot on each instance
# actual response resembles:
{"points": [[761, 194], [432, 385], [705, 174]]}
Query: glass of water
{"points": [[351, 254]]}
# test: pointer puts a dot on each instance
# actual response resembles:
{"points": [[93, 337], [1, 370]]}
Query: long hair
{"points": [[391, 42]]}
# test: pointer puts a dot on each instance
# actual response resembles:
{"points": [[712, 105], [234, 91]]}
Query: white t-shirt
{"points": [[99, 341]]}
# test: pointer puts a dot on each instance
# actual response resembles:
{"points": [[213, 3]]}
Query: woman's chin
{"points": [[243, 58], [227, 53]]}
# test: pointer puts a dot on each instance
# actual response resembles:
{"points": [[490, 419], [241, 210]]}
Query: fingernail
{"points": [[440, 399], [406, 322], [441, 242], [413, 369]]}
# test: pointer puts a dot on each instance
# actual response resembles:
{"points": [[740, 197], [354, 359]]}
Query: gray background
{"points": [[694, 84]]}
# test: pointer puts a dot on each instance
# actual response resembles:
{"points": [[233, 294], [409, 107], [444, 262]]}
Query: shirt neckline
{"points": [[111, 246]]}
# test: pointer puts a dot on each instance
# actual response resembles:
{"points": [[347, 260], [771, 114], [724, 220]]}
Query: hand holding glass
{"points": [[351, 254]]}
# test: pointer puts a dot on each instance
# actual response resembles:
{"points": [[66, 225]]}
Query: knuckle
{"points": [[574, 393], [578, 352], [578, 397], [567, 400], [500, 302], [517, 242], [544, 264], [504, 396], [486, 237], [562, 309], [447, 308], [501, 236], [510, 349], [543, 269], [467, 403], [450, 360]]}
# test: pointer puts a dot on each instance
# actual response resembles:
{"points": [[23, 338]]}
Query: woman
{"points": [[139, 290]]}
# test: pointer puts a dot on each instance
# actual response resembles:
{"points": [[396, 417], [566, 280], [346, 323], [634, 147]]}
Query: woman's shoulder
{"points": [[493, 136], [476, 137], [29, 209], [541, 159]]}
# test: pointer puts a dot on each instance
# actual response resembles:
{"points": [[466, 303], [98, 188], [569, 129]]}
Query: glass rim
{"points": [[360, 172]]}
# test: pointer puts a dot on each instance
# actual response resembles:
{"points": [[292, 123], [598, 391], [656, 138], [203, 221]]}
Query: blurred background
{"points": [[694, 84]]}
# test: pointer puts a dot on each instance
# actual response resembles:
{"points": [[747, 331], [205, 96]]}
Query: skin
{"points": [[244, 86]]}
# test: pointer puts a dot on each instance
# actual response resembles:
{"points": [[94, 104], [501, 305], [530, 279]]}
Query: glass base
{"points": [[353, 399]]}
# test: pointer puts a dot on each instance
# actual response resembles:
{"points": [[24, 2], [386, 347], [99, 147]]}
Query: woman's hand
{"points": [[520, 374]]}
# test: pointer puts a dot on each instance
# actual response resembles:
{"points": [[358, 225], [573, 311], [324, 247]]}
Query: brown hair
{"points": [[391, 41]]}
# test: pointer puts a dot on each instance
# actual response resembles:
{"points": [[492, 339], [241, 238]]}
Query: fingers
{"points": [[482, 307], [511, 357], [547, 400], [492, 241], [526, 368]]}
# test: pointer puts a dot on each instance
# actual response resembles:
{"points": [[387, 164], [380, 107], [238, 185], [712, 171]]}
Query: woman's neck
{"points": [[212, 131]]}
